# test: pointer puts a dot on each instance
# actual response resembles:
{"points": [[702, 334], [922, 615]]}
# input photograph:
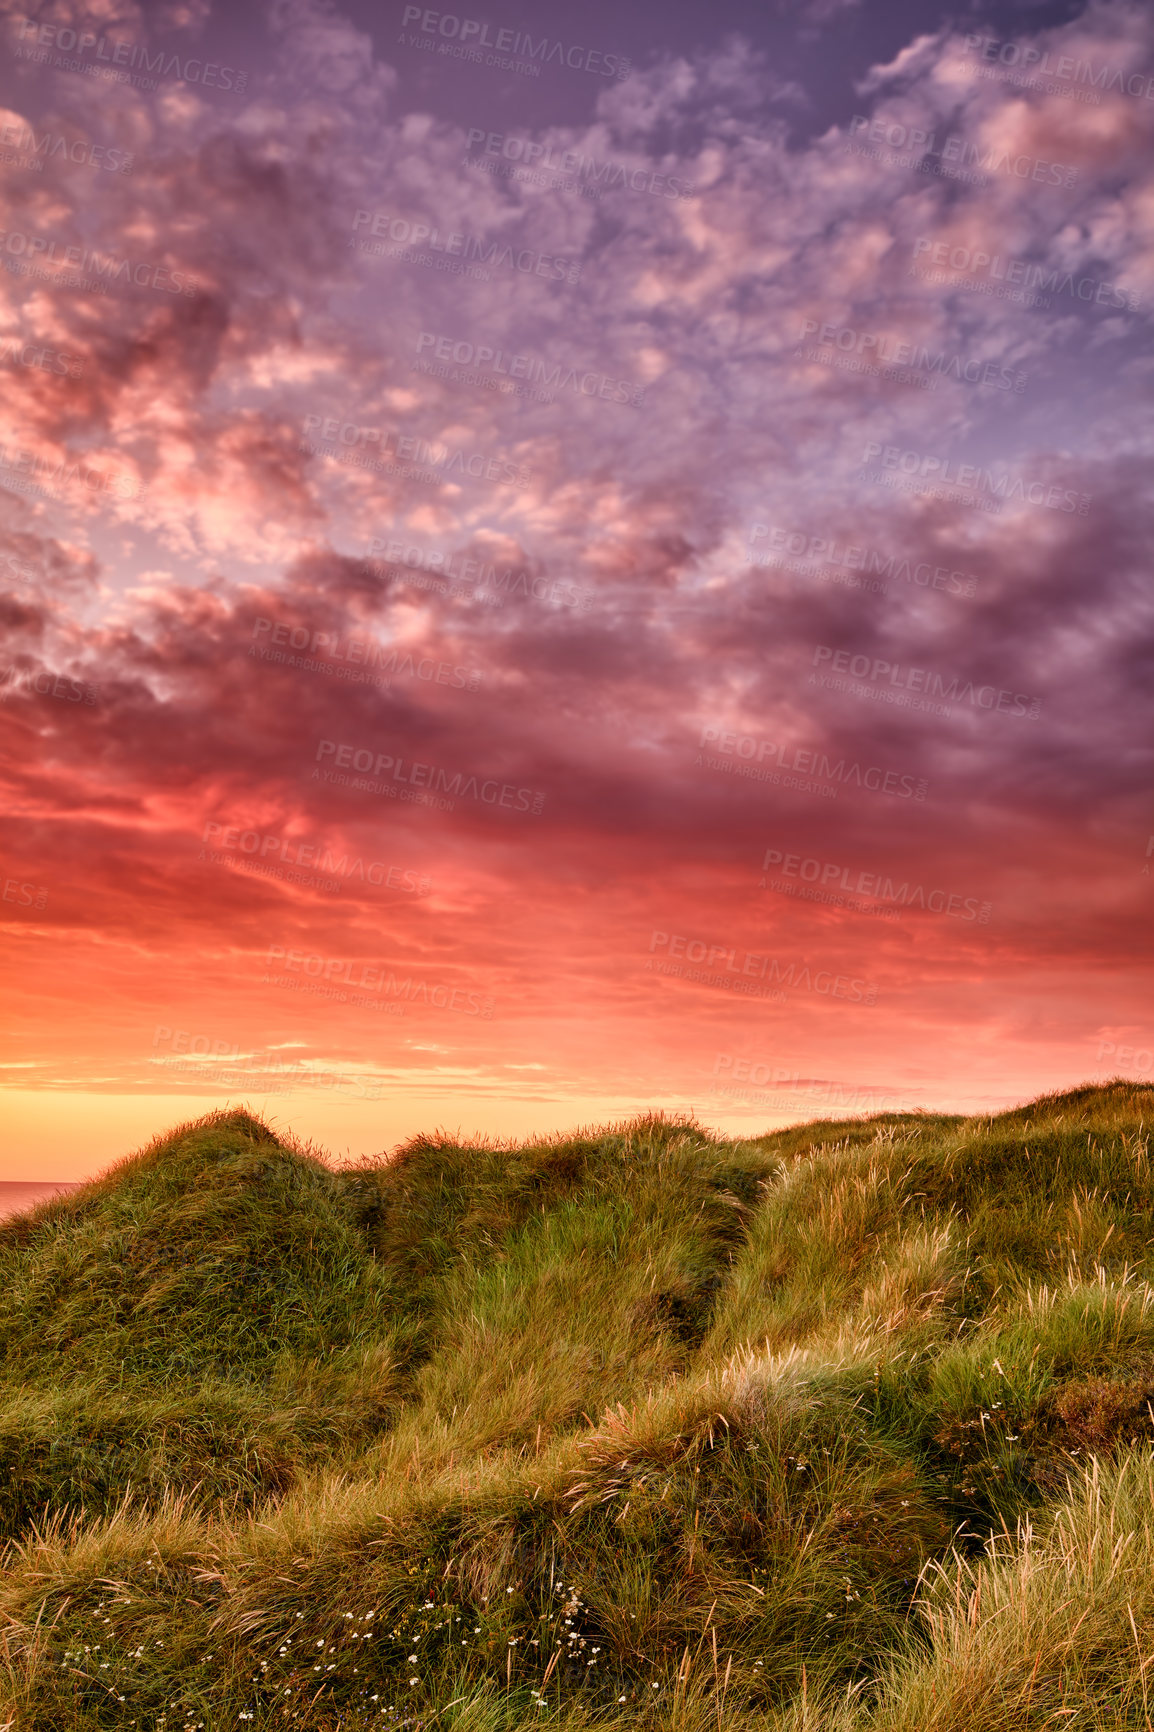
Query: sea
{"points": [[18, 1194]]}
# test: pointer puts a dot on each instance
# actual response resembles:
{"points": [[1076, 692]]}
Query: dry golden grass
{"points": [[843, 1429]]}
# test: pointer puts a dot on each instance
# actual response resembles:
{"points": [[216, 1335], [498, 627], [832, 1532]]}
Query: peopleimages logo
{"points": [[530, 368], [22, 570], [366, 652], [459, 246], [18, 354], [957, 159], [863, 667], [440, 462], [1023, 274], [473, 34], [455, 784], [294, 851], [901, 355], [24, 895], [340, 976], [754, 966], [47, 684], [525, 158], [773, 1082], [809, 761], [112, 54], [1135, 1058], [109, 271], [830, 551], [982, 483], [277, 1077], [199, 1045], [53, 145], [1098, 74], [828, 873], [472, 577], [57, 476]]}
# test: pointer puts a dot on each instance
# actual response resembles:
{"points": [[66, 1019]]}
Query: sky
{"points": [[559, 562]]}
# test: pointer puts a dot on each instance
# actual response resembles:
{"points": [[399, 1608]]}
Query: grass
{"points": [[848, 1428]]}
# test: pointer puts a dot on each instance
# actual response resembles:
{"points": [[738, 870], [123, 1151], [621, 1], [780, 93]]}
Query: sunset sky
{"points": [[563, 560]]}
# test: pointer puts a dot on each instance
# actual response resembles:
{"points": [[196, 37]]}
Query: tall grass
{"points": [[843, 1429]]}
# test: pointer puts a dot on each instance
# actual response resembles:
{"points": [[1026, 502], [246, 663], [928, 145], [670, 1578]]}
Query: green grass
{"points": [[848, 1428]]}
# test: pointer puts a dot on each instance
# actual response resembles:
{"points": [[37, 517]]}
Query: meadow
{"points": [[845, 1428]]}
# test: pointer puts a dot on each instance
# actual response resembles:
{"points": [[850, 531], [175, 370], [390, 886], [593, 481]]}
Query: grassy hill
{"points": [[847, 1428]]}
